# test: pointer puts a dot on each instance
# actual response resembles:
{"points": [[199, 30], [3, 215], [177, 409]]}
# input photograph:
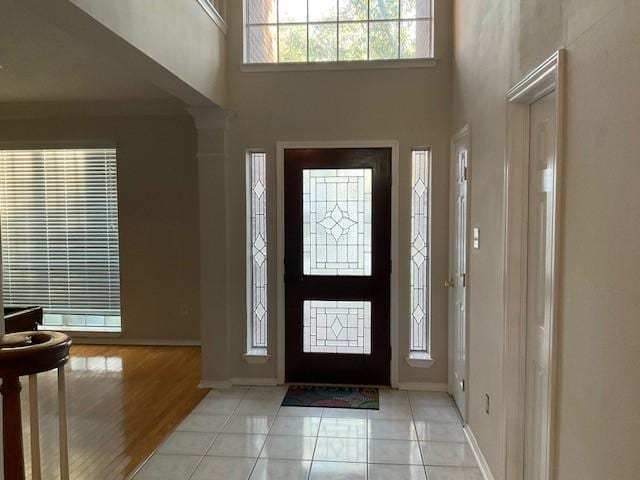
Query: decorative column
{"points": [[211, 125]]}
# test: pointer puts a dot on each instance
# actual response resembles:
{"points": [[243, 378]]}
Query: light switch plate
{"points": [[476, 238]]}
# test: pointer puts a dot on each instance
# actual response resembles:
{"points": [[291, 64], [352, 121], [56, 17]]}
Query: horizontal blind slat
{"points": [[58, 211]]}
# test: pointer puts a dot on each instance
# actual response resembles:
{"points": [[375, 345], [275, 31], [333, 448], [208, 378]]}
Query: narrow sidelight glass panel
{"points": [[257, 235], [337, 221], [420, 261], [337, 327]]}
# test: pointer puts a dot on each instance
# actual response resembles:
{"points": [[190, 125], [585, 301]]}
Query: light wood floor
{"points": [[122, 402]]}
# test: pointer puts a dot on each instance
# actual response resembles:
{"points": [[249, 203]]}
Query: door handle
{"points": [[449, 283]]}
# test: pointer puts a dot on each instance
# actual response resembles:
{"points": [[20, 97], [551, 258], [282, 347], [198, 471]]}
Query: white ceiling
{"points": [[42, 63]]}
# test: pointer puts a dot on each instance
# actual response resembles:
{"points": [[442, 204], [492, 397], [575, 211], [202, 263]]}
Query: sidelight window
{"points": [[420, 251], [256, 251]]}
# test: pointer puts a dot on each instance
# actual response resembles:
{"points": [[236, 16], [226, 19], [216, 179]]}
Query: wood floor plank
{"points": [[122, 403]]}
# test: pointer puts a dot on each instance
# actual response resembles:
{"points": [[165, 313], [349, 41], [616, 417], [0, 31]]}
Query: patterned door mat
{"points": [[364, 398]]}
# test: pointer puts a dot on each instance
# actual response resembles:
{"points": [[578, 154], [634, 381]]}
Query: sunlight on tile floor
{"points": [[243, 433]]}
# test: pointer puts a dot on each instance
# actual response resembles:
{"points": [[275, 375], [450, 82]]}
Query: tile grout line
{"points": [[415, 429], [315, 446], [217, 434], [266, 437]]}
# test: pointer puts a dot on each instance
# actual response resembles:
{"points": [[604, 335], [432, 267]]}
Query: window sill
{"points": [[85, 331], [420, 360], [359, 65], [256, 355]]}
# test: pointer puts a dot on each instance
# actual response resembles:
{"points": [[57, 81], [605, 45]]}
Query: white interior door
{"points": [[542, 169], [458, 272]]}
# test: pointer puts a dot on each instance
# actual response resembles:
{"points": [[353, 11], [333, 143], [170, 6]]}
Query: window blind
{"points": [[59, 220]]}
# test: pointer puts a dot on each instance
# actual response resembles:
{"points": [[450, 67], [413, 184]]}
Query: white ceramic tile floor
{"points": [[259, 425], [282, 447], [396, 472], [187, 443], [224, 467], [396, 452], [343, 428], [242, 433], [268, 469], [237, 445]]}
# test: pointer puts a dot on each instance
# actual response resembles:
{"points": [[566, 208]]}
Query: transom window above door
{"points": [[314, 31]]}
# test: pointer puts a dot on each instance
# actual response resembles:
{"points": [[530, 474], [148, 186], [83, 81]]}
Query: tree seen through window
{"points": [[298, 31]]}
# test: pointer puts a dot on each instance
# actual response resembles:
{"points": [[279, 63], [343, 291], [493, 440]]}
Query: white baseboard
{"points": [[82, 340], [214, 384], [239, 381], [257, 381], [482, 462], [423, 386], [261, 382]]}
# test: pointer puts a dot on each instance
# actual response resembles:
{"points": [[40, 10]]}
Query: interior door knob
{"points": [[449, 283]]}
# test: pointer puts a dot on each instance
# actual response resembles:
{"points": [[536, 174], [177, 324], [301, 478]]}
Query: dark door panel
{"points": [[337, 265]]}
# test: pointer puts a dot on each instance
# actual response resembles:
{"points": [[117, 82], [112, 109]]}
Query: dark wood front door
{"points": [[337, 265]]}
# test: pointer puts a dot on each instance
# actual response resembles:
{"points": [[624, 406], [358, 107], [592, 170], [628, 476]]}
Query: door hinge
{"points": [[463, 385], [464, 279]]}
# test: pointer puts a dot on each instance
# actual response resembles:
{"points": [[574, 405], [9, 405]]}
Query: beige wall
{"points": [[158, 214], [172, 44], [495, 44], [408, 105]]}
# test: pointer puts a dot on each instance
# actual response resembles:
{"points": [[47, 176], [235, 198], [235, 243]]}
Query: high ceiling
{"points": [[42, 63]]}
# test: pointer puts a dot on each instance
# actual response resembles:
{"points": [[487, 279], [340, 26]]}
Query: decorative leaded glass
{"points": [[337, 327], [419, 250], [337, 221], [258, 236]]}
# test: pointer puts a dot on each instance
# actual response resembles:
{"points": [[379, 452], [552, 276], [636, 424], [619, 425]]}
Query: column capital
{"points": [[211, 128], [210, 118]]}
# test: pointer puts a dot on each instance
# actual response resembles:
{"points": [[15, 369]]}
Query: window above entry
{"points": [[326, 32]]}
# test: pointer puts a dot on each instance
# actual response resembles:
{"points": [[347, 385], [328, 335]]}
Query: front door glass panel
{"points": [[337, 327], [337, 221]]}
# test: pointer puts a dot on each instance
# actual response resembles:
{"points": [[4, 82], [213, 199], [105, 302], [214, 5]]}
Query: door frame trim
{"points": [[463, 133], [547, 78], [394, 318]]}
